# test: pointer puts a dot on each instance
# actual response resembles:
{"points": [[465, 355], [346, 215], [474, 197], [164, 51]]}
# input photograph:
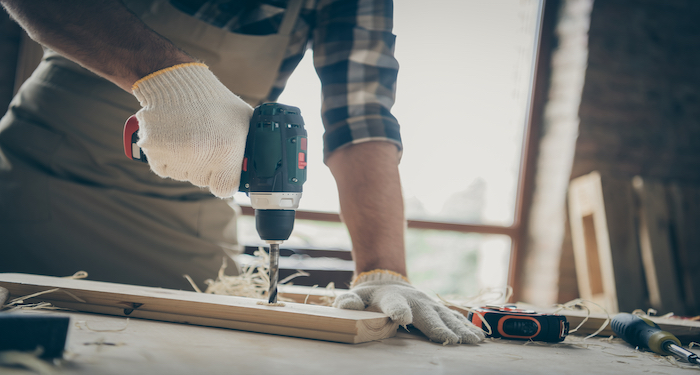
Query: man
{"points": [[79, 204]]}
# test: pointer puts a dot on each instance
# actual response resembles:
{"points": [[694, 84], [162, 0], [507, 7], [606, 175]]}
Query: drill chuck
{"points": [[274, 225]]}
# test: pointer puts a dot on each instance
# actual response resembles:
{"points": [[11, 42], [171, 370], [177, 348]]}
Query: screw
{"points": [[294, 140], [247, 186], [294, 179]]}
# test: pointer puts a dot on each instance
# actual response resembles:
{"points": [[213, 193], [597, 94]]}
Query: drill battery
{"points": [[509, 322]]}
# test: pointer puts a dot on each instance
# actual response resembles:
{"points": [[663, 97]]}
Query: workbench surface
{"points": [[100, 344]]}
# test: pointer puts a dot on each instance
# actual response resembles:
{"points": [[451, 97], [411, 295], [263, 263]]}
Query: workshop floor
{"points": [[99, 344]]}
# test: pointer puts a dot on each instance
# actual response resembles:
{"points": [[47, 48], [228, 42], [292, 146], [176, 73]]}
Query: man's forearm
{"points": [[371, 204], [101, 35]]}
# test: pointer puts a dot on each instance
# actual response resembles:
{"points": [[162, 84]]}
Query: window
{"points": [[462, 101]]}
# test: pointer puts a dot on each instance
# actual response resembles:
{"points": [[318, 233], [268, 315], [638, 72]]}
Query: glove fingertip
{"points": [[472, 336], [444, 336], [397, 308], [349, 301], [400, 315]]}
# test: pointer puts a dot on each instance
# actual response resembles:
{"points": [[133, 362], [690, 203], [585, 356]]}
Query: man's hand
{"points": [[192, 128], [371, 204], [391, 294]]}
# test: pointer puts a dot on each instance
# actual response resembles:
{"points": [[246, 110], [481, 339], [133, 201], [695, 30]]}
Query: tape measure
{"points": [[509, 322]]}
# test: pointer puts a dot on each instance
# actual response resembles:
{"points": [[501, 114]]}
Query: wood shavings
{"points": [[306, 299], [486, 296], [327, 299], [194, 285], [78, 275], [19, 302], [29, 360], [489, 331], [33, 306], [652, 313], [578, 302], [80, 323], [264, 303], [252, 282]]}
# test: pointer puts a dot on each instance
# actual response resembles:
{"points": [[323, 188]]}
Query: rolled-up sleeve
{"points": [[353, 48]]}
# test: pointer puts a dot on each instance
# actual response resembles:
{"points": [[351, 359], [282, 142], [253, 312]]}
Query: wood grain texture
{"points": [[656, 247], [685, 214], [298, 320], [608, 263]]}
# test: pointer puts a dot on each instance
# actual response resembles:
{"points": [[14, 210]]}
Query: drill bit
{"points": [[274, 272]]}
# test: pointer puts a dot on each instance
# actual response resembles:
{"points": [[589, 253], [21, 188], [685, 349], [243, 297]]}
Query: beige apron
{"points": [[250, 75], [71, 199]]}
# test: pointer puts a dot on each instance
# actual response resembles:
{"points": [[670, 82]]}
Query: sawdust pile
{"points": [[252, 282]]}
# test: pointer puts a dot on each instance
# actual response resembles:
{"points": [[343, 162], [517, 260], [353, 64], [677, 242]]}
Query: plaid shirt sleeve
{"points": [[353, 53], [354, 56]]}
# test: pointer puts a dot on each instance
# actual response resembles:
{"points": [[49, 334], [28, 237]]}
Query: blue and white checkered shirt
{"points": [[353, 48]]}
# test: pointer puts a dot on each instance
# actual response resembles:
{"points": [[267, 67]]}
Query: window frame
{"points": [[517, 232]]}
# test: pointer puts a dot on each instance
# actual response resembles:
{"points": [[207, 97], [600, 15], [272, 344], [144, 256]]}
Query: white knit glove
{"points": [[192, 128], [390, 293]]}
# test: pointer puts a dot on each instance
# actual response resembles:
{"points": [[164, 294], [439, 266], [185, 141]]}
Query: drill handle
{"points": [[131, 136]]}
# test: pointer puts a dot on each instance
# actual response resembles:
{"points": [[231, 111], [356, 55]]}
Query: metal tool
{"points": [[642, 332], [510, 322], [272, 174]]}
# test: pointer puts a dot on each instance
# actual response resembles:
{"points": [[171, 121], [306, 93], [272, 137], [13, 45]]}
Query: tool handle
{"points": [[642, 332], [131, 136]]}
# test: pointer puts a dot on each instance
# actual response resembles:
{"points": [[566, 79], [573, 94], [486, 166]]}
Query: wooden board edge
{"points": [[340, 320], [223, 323], [363, 327]]}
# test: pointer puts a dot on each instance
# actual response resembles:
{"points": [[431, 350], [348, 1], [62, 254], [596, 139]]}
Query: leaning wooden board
{"points": [[293, 319]]}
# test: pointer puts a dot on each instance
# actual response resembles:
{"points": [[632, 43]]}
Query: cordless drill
{"points": [[272, 174]]}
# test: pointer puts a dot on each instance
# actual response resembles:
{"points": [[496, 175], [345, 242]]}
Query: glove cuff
{"points": [[378, 275], [177, 85], [136, 84]]}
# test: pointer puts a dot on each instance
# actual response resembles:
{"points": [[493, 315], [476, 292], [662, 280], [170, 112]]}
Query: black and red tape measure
{"points": [[512, 323]]}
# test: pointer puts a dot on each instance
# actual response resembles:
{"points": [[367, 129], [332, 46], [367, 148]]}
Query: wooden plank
{"points": [[685, 214], [307, 294], [608, 264], [655, 244], [620, 217], [298, 320], [585, 198]]}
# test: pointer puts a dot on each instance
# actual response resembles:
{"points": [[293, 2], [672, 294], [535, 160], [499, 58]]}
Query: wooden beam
{"points": [[656, 246], [685, 213], [293, 319], [608, 263]]}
